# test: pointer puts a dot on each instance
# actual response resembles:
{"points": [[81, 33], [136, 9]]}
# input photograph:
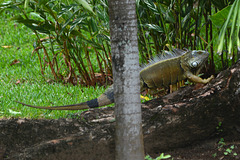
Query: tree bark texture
{"points": [[184, 117], [125, 62]]}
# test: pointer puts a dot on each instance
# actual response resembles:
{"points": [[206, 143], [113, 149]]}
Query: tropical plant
{"points": [[183, 24], [228, 20], [70, 37], [180, 24], [161, 156]]}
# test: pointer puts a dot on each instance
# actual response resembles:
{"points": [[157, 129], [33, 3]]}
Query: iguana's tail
{"points": [[104, 99]]}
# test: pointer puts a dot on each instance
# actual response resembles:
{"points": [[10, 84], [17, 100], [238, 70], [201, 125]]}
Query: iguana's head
{"points": [[194, 60]]}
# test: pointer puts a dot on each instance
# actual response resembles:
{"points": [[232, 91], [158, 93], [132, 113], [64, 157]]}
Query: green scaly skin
{"points": [[161, 74]]}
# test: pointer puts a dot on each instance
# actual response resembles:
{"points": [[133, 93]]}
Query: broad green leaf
{"points": [[41, 26], [85, 5], [103, 37], [169, 17], [43, 2], [166, 13], [20, 19], [230, 20], [151, 6], [220, 17], [137, 3], [64, 10], [37, 15], [26, 4], [75, 23], [93, 25], [186, 20], [235, 13], [68, 22], [238, 28], [40, 29], [223, 30], [153, 27], [94, 44]]}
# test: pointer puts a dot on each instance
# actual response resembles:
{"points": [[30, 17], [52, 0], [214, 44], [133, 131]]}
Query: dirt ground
{"points": [[208, 150], [41, 139]]}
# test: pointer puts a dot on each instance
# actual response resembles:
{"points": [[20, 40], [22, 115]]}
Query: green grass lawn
{"points": [[22, 81]]}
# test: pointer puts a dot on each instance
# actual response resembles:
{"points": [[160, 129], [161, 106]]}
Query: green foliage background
{"points": [[67, 41]]}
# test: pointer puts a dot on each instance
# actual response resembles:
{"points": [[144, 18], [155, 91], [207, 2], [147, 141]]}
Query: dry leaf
{"points": [[7, 46], [14, 62], [18, 81]]}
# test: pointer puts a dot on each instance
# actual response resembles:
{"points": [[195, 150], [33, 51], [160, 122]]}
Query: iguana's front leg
{"points": [[197, 79]]}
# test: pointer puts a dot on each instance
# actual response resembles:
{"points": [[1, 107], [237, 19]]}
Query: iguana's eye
{"points": [[194, 64]]}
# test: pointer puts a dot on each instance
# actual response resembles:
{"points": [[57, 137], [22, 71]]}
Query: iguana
{"points": [[159, 73]]}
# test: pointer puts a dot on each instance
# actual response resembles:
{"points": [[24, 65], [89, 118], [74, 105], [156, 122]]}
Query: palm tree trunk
{"points": [[124, 46]]}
